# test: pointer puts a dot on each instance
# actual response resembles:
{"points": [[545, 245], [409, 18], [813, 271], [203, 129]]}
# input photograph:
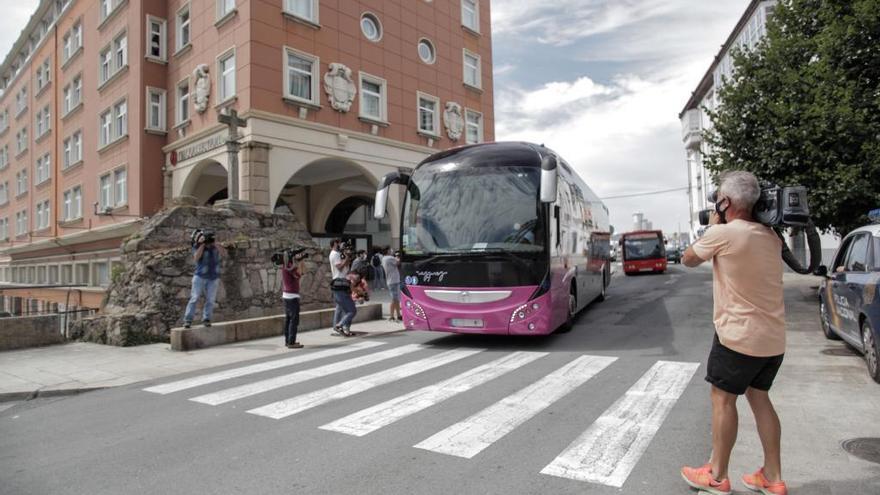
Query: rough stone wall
{"points": [[21, 332], [148, 296]]}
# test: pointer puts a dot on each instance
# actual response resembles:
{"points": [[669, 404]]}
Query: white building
{"points": [[694, 118]]}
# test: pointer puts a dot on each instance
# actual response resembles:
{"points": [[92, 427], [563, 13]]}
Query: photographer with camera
{"points": [[292, 267], [749, 341], [206, 255]]}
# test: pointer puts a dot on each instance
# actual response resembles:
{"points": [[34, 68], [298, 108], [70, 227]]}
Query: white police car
{"points": [[849, 295]]}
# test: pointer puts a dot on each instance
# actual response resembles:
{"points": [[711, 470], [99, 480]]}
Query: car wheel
{"points": [[823, 319], [872, 352]]}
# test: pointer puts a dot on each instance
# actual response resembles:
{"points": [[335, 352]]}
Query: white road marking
{"points": [[672, 280], [386, 413], [471, 436], [294, 405], [609, 449], [249, 389], [197, 381]]}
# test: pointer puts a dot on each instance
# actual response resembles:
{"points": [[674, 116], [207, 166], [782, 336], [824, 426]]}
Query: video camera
{"points": [[780, 207], [346, 248], [285, 256], [776, 207], [207, 236]]}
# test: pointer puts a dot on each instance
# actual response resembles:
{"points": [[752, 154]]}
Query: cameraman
{"points": [[206, 255], [341, 293], [291, 272], [749, 342]]}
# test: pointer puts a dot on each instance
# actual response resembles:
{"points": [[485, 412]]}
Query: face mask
{"points": [[722, 213]]}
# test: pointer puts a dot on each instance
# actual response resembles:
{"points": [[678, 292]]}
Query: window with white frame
{"points": [[53, 274], [113, 58], [42, 169], [472, 72], [109, 6], [21, 223], [67, 274], [72, 95], [43, 215], [301, 76], [41, 122], [72, 42], [105, 61], [224, 8], [72, 152], [21, 182], [4, 156], [183, 27], [100, 274], [72, 203], [120, 51], [373, 98], [4, 193], [226, 75], [157, 39], [303, 9], [113, 123], [21, 101], [4, 120], [474, 127], [120, 187], [4, 229], [183, 102], [429, 118], [470, 15], [21, 141], [43, 76], [105, 191], [156, 109], [81, 273]]}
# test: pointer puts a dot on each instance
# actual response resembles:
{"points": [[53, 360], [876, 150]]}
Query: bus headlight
{"points": [[416, 309]]}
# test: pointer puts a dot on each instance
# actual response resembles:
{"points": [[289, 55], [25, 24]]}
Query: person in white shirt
{"points": [[338, 269], [391, 265]]}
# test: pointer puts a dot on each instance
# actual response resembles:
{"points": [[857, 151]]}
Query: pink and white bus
{"points": [[498, 238]]}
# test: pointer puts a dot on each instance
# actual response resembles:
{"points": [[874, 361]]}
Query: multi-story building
{"points": [[110, 111], [694, 117]]}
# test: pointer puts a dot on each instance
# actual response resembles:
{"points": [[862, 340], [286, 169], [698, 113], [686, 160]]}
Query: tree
{"points": [[803, 107]]}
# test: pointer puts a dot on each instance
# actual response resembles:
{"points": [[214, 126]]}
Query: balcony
{"points": [[692, 129]]}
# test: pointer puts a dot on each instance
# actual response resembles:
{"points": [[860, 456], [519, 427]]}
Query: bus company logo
{"points": [[427, 277], [412, 280]]}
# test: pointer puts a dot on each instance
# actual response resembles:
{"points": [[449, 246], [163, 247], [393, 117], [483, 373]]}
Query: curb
{"points": [[26, 396]]}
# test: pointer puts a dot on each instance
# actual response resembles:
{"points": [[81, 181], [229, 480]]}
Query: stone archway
{"points": [[207, 182]]}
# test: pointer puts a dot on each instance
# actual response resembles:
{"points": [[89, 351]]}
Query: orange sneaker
{"points": [[757, 482], [701, 478]]}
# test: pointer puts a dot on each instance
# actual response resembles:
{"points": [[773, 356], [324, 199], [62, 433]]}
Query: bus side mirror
{"points": [[382, 192], [549, 179]]}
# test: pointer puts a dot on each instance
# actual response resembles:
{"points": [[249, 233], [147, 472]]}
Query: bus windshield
{"points": [[453, 209], [646, 247]]}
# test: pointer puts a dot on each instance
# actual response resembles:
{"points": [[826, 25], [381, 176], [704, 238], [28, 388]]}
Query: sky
{"points": [[599, 81]]}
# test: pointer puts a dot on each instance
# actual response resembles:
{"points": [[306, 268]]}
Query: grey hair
{"points": [[741, 187]]}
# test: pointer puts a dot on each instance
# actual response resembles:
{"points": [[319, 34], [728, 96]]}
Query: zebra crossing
{"points": [[605, 453]]}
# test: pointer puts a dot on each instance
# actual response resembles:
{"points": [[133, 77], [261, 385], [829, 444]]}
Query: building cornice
{"points": [[121, 229]]}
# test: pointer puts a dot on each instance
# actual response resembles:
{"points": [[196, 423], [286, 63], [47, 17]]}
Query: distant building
{"points": [[109, 112], [694, 119]]}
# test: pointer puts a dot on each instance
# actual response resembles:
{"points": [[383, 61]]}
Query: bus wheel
{"points": [[604, 286], [572, 307]]}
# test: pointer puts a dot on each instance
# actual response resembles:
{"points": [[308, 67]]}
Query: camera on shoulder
{"points": [[202, 236], [776, 207], [285, 256]]}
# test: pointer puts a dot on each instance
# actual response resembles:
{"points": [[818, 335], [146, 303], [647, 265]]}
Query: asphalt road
{"points": [[617, 405]]}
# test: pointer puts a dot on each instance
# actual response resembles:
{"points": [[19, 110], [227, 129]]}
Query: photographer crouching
{"points": [[291, 262], [206, 255], [749, 342]]}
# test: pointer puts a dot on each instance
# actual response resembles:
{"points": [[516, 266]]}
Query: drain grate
{"points": [[839, 351], [867, 449]]}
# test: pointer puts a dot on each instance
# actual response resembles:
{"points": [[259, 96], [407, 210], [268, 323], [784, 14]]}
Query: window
{"points": [[113, 123], [66, 274], [373, 99], [101, 275], [371, 27], [4, 156], [303, 9], [106, 127], [427, 52], [21, 181], [21, 141], [470, 15], [43, 76], [43, 169], [4, 229], [226, 75], [81, 273], [113, 189], [472, 76], [72, 95], [21, 101], [53, 274], [4, 193], [120, 116], [155, 109], [106, 63], [73, 203], [21, 223], [120, 51], [72, 153], [429, 119], [301, 76], [43, 215], [109, 6], [474, 123], [156, 38], [105, 191], [183, 102], [4, 121], [857, 260], [224, 8], [113, 58], [41, 122], [183, 24], [120, 187]]}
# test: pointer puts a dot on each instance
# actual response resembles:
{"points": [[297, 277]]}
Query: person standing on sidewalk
{"points": [[291, 273], [345, 296], [391, 265], [749, 341], [339, 285], [378, 271], [206, 255]]}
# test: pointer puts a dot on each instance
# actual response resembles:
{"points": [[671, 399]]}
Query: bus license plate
{"points": [[467, 322], [646, 270]]}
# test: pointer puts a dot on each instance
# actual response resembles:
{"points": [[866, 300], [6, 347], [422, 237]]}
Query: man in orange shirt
{"points": [[749, 338]]}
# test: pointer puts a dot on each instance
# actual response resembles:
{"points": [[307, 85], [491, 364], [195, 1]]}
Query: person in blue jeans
{"points": [[346, 309], [206, 278]]}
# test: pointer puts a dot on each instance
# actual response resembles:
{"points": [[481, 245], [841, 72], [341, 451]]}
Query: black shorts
{"points": [[734, 372]]}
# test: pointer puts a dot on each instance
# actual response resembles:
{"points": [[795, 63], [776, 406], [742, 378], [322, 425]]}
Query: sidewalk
{"points": [[76, 367]]}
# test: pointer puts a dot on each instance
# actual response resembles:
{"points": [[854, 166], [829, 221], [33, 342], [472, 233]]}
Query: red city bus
{"points": [[643, 251]]}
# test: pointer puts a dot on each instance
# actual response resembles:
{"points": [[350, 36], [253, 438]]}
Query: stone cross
{"points": [[233, 122]]}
